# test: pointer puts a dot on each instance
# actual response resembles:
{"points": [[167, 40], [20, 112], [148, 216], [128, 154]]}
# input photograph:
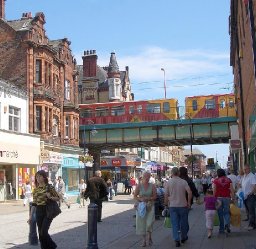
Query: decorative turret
{"points": [[114, 81], [113, 68]]}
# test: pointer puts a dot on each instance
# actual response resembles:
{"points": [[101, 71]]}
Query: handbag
{"points": [[52, 209]]}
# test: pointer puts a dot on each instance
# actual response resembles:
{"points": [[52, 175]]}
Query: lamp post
{"points": [[162, 69], [191, 150], [85, 170], [191, 145]]}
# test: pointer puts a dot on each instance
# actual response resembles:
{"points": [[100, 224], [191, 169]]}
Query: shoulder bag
{"points": [[52, 208]]}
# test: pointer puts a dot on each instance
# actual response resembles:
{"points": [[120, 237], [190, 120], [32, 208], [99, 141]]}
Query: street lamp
{"points": [[92, 132], [162, 69], [191, 145]]}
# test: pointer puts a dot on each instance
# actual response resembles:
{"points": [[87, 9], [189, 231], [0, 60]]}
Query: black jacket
{"points": [[192, 187], [96, 188]]}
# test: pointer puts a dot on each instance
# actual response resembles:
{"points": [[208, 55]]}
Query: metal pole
{"points": [[92, 226], [85, 170], [191, 151], [164, 83]]}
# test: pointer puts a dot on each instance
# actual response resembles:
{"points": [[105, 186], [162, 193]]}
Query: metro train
{"points": [[209, 106]]}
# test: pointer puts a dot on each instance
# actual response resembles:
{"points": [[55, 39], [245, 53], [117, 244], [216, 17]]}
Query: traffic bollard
{"points": [[32, 237], [92, 226]]}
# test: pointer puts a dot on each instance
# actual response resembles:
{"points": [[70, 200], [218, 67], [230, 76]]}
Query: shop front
{"points": [[51, 162], [118, 168], [19, 160], [71, 172]]}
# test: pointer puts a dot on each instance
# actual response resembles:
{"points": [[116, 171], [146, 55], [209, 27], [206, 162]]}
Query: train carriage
{"points": [[130, 111], [211, 106]]}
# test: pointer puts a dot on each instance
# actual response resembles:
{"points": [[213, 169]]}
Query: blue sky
{"points": [[189, 39]]}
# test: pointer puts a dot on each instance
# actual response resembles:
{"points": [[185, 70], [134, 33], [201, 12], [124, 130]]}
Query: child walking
{"points": [[211, 205]]}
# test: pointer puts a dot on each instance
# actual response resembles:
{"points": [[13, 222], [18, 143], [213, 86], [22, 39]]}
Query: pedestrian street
{"points": [[117, 230]]}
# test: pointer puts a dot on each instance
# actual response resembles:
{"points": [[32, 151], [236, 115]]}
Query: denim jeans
{"points": [[43, 224], [251, 205], [224, 213], [179, 219]]}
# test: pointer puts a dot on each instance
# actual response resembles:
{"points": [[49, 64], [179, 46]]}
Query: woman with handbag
{"points": [[41, 194], [145, 195]]}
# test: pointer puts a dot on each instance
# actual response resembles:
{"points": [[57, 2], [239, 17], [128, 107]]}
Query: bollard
{"points": [[32, 237], [92, 226]]}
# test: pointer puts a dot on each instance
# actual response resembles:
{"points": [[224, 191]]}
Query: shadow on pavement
{"points": [[111, 229]]}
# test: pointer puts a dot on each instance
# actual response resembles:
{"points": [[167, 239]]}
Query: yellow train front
{"points": [[211, 106]]}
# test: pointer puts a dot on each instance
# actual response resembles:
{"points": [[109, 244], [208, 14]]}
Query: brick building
{"points": [[47, 70], [102, 84], [243, 61]]}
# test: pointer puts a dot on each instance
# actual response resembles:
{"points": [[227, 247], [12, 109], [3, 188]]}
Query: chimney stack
{"points": [[90, 63], [2, 9]]}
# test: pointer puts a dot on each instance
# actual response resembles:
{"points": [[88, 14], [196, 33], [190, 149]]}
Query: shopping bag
{"points": [[240, 195], [167, 222], [235, 215], [216, 221]]}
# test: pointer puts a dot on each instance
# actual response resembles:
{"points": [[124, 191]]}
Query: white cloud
{"points": [[183, 68]]}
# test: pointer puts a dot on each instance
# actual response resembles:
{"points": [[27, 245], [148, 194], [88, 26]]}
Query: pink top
{"points": [[210, 202]]}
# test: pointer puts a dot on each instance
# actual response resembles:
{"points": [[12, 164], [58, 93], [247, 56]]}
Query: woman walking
{"points": [[223, 190], [41, 193], [145, 195]]}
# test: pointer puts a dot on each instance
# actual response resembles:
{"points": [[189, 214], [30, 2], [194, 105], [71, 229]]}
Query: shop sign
{"points": [[235, 144], [70, 162], [19, 148], [54, 157], [9, 153], [44, 154], [116, 162], [130, 163]]}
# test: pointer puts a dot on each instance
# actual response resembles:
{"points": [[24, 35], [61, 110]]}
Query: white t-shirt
{"points": [[81, 187], [176, 189], [233, 178], [248, 182]]}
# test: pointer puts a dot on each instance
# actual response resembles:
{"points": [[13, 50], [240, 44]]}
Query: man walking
{"points": [[61, 189], [96, 191], [175, 197], [248, 184]]}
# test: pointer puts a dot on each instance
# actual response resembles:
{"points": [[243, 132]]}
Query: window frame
{"points": [[210, 104], [14, 119]]}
